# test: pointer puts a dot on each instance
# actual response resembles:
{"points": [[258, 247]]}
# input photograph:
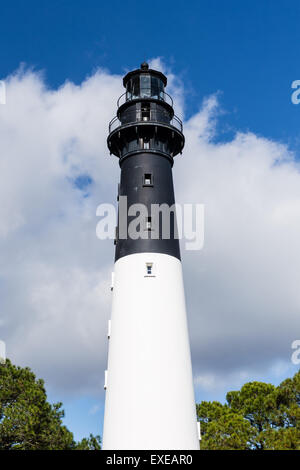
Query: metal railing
{"points": [[145, 93], [175, 121]]}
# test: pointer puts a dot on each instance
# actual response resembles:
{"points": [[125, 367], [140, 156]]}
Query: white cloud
{"points": [[242, 288], [54, 276]]}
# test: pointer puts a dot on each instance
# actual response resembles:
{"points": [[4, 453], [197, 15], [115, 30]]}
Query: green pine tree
{"points": [[259, 416], [27, 420]]}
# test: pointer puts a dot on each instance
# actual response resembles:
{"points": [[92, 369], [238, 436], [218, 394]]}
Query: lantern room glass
{"points": [[144, 86]]}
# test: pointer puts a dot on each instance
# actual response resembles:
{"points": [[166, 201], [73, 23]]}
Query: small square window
{"points": [[148, 179], [149, 268]]}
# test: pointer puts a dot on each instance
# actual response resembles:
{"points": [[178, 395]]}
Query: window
{"points": [[135, 84], [149, 268], [145, 86], [146, 143], [145, 108], [148, 223], [148, 179], [157, 88], [154, 87]]}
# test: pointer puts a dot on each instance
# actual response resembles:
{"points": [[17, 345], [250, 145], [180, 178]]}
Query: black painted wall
{"points": [[132, 185]]}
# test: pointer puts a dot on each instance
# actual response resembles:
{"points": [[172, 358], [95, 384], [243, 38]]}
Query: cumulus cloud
{"points": [[242, 289], [55, 170]]}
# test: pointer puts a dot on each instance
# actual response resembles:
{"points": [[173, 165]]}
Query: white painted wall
{"points": [[149, 397]]}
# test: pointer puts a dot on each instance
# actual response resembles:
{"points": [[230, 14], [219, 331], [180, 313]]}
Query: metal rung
{"points": [[105, 380]]}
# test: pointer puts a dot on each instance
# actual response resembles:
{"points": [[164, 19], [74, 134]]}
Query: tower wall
{"points": [[149, 398], [149, 386], [134, 170]]}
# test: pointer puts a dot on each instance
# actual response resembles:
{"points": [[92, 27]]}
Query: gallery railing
{"points": [[153, 118]]}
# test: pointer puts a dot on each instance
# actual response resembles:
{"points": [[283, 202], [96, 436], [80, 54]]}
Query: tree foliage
{"points": [[259, 416], [89, 443], [27, 420]]}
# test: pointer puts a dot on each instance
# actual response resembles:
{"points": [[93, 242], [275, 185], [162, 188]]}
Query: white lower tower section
{"points": [[149, 391]]}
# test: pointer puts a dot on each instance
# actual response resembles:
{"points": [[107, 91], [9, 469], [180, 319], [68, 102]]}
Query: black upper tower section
{"points": [[146, 135]]}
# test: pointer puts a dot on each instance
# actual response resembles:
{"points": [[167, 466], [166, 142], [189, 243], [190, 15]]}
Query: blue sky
{"points": [[247, 51]]}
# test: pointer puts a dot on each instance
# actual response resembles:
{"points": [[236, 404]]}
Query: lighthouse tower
{"points": [[149, 387]]}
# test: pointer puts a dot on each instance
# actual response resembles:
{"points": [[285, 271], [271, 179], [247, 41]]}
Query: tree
{"points": [[27, 420], [90, 443], [259, 416]]}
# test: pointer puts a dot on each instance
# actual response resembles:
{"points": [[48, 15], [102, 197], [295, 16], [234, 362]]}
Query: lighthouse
{"points": [[149, 401]]}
